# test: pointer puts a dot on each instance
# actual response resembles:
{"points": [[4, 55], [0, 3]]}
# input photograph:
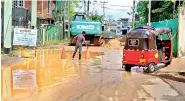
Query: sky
{"points": [[113, 12]]}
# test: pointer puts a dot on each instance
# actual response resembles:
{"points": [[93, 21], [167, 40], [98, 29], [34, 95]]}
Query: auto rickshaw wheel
{"points": [[151, 67], [127, 67]]}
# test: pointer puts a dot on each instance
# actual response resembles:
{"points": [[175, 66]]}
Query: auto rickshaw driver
{"points": [[159, 46]]}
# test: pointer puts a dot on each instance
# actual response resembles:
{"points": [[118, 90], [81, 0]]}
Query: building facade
{"points": [[123, 26], [44, 10]]}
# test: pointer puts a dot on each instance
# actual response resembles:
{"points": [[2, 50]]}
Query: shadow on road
{"points": [[168, 76]]}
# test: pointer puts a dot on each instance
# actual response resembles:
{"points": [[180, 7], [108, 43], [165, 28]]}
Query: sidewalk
{"points": [[177, 65], [7, 61]]}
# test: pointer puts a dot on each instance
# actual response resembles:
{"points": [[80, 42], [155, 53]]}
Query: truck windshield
{"points": [[79, 17]]}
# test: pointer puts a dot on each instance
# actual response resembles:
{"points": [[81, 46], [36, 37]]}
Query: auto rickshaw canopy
{"points": [[147, 32]]}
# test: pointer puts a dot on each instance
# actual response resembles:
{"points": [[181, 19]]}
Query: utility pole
{"points": [[68, 19], [63, 19], [7, 26], [133, 15], [34, 13], [149, 13], [88, 4], [174, 3], [85, 6], [104, 2], [179, 3]]}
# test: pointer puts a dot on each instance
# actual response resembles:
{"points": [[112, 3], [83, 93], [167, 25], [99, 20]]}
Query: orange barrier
{"points": [[62, 53]]}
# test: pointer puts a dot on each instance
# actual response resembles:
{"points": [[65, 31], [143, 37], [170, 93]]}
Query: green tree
{"points": [[96, 17], [183, 4], [73, 4], [142, 11], [160, 10]]}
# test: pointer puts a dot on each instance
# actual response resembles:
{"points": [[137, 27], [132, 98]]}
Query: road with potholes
{"points": [[99, 78]]}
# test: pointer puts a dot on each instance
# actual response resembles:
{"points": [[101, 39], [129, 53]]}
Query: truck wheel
{"points": [[101, 42], [127, 67], [96, 42], [71, 39], [151, 67]]}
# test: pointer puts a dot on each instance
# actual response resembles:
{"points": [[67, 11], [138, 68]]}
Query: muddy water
{"points": [[101, 78], [37, 74]]}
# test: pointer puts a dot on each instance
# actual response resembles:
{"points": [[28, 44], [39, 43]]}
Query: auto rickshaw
{"points": [[146, 47]]}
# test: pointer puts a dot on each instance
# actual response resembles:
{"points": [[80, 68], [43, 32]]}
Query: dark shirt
{"points": [[80, 39]]}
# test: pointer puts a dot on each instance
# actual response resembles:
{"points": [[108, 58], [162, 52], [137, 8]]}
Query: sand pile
{"points": [[122, 39], [113, 44]]}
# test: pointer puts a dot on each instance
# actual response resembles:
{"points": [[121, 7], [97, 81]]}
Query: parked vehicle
{"points": [[146, 47], [93, 29]]}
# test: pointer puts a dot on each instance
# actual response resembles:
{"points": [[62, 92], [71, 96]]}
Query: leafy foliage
{"points": [[142, 11], [96, 17], [73, 3], [160, 10]]}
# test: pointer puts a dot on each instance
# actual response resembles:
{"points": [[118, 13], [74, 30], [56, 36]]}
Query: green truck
{"points": [[93, 29]]}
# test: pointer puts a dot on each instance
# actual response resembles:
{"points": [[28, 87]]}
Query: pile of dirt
{"points": [[113, 44], [122, 39], [177, 65]]}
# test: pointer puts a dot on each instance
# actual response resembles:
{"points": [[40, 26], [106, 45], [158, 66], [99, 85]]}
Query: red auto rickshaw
{"points": [[146, 47]]}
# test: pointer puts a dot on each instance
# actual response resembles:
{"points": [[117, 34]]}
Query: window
{"points": [[133, 42], [48, 6], [79, 17], [18, 3]]}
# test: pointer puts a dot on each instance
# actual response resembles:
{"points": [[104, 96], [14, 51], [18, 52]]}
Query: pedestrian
{"points": [[80, 39]]}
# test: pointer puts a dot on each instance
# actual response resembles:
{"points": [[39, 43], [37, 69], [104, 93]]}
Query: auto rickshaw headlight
{"points": [[156, 55]]}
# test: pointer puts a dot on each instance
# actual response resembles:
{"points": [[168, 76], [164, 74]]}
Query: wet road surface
{"points": [[101, 78]]}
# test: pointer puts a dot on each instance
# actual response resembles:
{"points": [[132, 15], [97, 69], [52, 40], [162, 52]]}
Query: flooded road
{"points": [[100, 78]]}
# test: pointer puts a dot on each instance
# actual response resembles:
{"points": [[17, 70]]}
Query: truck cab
{"points": [[79, 17]]}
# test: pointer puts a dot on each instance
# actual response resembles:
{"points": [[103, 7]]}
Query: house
{"points": [[44, 10], [113, 26], [123, 26]]}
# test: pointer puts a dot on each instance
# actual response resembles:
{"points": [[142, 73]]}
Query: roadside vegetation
{"points": [[166, 9]]}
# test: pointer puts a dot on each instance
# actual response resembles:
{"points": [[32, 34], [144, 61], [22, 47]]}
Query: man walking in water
{"points": [[80, 39]]}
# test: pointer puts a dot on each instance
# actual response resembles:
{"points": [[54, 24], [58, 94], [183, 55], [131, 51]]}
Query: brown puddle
{"points": [[46, 70]]}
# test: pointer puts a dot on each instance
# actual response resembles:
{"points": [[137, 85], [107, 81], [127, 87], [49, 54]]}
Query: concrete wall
{"points": [[181, 33]]}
